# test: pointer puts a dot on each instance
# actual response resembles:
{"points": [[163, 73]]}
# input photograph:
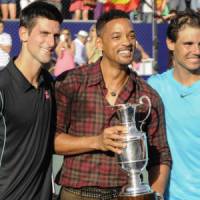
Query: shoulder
{"points": [[75, 74], [74, 78], [144, 89], [159, 81]]}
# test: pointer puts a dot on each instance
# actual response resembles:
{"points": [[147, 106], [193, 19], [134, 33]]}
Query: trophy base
{"points": [[148, 196]]}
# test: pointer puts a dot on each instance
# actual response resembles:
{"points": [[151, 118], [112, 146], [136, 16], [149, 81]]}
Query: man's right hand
{"points": [[113, 139]]}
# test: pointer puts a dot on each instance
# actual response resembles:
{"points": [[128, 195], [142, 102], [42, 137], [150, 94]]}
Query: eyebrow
{"points": [[131, 32]]}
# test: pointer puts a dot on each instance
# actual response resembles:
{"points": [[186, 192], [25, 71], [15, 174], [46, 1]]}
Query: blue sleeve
{"points": [[153, 81]]}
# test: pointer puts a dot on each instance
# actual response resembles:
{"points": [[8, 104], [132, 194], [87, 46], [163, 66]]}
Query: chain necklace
{"points": [[115, 92]]}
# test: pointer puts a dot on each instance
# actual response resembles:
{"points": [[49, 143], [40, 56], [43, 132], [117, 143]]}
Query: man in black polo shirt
{"points": [[26, 108]]}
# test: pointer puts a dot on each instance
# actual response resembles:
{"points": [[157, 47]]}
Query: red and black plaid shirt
{"points": [[82, 110]]}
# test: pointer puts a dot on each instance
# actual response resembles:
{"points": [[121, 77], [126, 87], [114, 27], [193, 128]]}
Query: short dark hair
{"points": [[181, 20], [107, 17], [37, 9]]}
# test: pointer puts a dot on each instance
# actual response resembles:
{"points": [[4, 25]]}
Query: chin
{"points": [[126, 63], [196, 69], [47, 60]]}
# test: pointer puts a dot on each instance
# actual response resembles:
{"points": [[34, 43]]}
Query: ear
{"points": [[23, 34], [170, 44], [99, 43]]}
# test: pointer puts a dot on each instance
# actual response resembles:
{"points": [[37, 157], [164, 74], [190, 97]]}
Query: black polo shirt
{"points": [[26, 136]]}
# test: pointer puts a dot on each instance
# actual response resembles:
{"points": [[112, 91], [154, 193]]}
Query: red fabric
{"points": [[131, 6], [78, 5]]}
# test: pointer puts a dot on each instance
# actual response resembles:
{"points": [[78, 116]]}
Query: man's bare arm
{"points": [[158, 177], [110, 139]]}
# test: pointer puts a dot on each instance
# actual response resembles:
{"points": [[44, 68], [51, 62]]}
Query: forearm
{"points": [[158, 177], [111, 139], [66, 144]]}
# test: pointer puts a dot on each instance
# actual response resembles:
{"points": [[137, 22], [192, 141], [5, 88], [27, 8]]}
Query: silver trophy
{"points": [[134, 157]]}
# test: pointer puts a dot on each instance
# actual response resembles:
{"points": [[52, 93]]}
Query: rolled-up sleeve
{"points": [[159, 152], [63, 105]]}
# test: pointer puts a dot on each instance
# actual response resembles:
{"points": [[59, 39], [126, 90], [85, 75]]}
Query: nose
{"points": [[51, 41], [126, 40], [196, 49]]}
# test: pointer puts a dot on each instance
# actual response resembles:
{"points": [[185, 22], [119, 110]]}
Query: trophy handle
{"points": [[149, 110]]}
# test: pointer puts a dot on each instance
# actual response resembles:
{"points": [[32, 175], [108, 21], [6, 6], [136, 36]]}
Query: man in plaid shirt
{"points": [[88, 131]]}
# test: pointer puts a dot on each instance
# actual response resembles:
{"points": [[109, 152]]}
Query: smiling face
{"points": [[40, 41], [117, 41], [186, 49]]}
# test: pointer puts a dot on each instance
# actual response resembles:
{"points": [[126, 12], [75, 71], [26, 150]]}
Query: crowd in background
{"points": [[139, 10]]}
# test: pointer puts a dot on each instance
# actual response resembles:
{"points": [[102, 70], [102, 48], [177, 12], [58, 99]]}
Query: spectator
{"points": [[172, 14], [147, 11], [80, 56], [179, 89], [161, 9], [139, 56], [80, 9], [99, 8], [92, 51], [139, 53], [65, 53], [88, 129], [5, 46], [8, 9]]}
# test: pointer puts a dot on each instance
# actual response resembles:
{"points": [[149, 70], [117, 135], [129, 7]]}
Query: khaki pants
{"points": [[66, 195]]}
